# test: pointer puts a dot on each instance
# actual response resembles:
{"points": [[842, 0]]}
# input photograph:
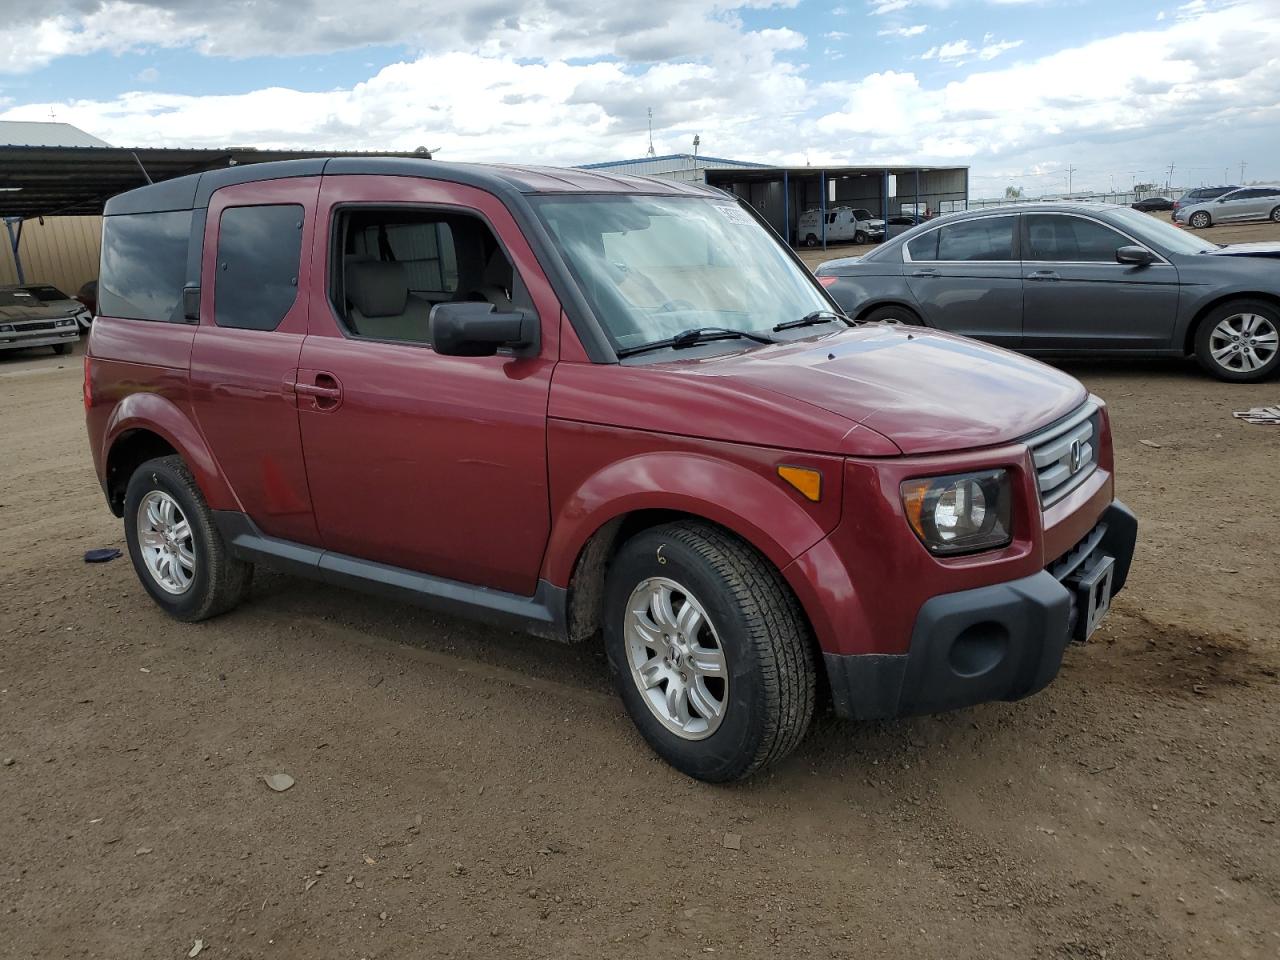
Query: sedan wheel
{"points": [[1200, 220], [1244, 342], [1275, 214], [1240, 341]]}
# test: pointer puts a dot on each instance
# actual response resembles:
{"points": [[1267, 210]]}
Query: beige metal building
{"points": [[60, 250]]}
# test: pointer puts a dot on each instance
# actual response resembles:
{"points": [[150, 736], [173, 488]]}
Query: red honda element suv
{"points": [[588, 405]]}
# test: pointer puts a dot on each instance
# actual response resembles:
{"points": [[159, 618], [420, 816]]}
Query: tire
{"points": [[859, 236], [1200, 220], [810, 240], [1275, 215], [1245, 335], [894, 314], [214, 581], [60, 349], [766, 696]]}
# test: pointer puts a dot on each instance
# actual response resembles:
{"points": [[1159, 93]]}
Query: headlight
{"points": [[961, 513], [69, 322], [6, 328]]}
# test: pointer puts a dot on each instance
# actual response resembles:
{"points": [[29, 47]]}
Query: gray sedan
{"points": [[1078, 278], [1236, 206]]}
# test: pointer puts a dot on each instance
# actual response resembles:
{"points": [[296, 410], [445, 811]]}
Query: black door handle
{"points": [[925, 272]]}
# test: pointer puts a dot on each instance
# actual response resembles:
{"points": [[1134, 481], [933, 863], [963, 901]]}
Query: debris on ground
{"points": [[101, 555], [1260, 415], [279, 782], [196, 948], [733, 841]]}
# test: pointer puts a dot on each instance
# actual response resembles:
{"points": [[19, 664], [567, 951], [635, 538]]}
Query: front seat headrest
{"points": [[377, 288]]}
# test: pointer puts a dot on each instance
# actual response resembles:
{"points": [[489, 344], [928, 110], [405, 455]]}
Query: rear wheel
{"points": [[810, 240], [176, 550], [1240, 341], [859, 236], [1200, 220], [711, 651], [894, 314]]}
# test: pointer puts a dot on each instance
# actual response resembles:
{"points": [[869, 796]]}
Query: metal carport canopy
{"points": [[77, 181]]}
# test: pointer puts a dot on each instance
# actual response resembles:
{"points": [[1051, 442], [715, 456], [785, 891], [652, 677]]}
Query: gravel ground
{"points": [[466, 792]]}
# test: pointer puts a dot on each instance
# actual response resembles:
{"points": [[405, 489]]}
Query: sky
{"points": [[1028, 93]]}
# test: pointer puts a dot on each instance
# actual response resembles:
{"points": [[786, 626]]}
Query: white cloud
{"points": [[881, 7], [835, 35], [912, 31], [951, 52], [990, 51]]}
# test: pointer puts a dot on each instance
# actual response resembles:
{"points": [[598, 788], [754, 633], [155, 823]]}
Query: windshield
{"points": [[1164, 235], [652, 267], [16, 298]]}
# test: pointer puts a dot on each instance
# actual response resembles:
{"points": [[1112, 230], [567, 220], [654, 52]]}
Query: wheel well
{"points": [[586, 585], [867, 311], [1189, 346], [131, 449]]}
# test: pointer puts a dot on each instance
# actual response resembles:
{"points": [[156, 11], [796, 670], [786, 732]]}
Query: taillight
{"points": [[88, 384], [827, 281]]}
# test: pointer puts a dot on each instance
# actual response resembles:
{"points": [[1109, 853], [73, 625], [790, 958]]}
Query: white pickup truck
{"points": [[843, 224]]}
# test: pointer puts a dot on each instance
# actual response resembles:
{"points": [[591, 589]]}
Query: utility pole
{"points": [[1242, 166], [1168, 182], [1071, 171], [652, 152]]}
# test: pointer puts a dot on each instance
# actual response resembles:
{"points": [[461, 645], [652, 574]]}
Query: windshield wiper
{"points": [[810, 319], [694, 336]]}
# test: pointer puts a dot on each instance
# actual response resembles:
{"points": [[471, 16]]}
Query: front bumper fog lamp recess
{"points": [[960, 513]]}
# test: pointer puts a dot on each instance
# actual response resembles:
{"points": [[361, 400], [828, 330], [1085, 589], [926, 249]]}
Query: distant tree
{"points": [[1013, 193]]}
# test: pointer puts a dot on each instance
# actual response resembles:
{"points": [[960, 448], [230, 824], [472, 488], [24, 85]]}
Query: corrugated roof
{"points": [[702, 161], [30, 133]]}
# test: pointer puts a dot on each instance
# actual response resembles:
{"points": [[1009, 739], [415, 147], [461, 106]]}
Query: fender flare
{"points": [[160, 415], [762, 513]]}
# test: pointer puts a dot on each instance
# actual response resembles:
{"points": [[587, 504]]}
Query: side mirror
{"points": [[1135, 255], [477, 330]]}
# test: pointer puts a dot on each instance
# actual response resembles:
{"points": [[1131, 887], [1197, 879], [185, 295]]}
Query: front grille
{"points": [[1066, 453], [22, 326]]}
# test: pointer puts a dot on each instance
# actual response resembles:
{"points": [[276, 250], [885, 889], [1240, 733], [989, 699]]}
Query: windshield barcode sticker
{"points": [[734, 213]]}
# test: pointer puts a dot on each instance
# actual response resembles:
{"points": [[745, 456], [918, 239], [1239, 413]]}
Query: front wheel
{"points": [[711, 651], [1201, 220], [1275, 215], [60, 349], [810, 240], [176, 550], [1240, 341]]}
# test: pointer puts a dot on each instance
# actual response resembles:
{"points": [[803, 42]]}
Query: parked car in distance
{"points": [[902, 223], [1152, 204], [1061, 279], [1200, 195], [1238, 206], [586, 405], [54, 298], [26, 321], [843, 225]]}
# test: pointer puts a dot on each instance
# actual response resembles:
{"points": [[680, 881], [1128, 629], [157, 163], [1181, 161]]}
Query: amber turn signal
{"points": [[805, 479]]}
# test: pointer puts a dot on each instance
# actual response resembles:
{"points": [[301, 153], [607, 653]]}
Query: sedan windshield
{"points": [[1159, 233], [655, 267]]}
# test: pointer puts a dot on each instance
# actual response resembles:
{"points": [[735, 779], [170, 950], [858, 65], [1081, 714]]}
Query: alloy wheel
{"points": [[1244, 342], [676, 659], [166, 543], [1200, 220]]}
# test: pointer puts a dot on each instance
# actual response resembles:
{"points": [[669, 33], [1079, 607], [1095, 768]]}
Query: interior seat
{"points": [[381, 306]]}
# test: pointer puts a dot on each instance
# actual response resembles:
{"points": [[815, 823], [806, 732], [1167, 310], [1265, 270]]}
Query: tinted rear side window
{"points": [[1071, 239], [257, 276], [989, 238], [144, 261]]}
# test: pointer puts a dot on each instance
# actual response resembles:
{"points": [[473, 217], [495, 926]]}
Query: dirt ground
{"points": [[1230, 233], [465, 792]]}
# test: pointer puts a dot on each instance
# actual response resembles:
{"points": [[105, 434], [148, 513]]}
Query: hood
{"points": [[1263, 248], [928, 392], [35, 310]]}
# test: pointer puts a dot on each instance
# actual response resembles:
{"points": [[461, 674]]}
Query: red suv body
{"points": [[578, 404]]}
